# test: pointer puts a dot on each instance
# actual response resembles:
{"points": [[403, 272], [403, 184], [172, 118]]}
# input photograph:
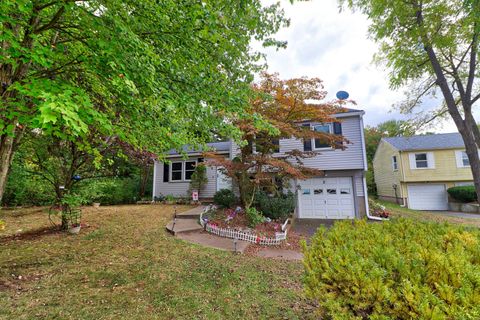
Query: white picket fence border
{"points": [[241, 235]]}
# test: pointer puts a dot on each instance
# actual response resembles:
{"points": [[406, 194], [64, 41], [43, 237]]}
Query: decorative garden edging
{"points": [[241, 235]]}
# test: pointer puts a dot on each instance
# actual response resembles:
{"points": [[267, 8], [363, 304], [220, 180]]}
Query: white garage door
{"points": [[326, 198], [427, 197]]}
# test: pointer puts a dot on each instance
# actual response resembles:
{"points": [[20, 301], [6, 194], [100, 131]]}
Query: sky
{"points": [[334, 46]]}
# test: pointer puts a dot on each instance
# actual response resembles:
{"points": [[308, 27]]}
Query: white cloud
{"points": [[334, 46]]}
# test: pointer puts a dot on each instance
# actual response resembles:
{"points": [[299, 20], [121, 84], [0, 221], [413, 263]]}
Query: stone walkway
{"points": [[187, 227]]}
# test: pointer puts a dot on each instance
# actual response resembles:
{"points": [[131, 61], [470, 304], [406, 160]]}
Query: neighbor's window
{"points": [[189, 169], [421, 160], [320, 144], [176, 173], [465, 160], [394, 163]]}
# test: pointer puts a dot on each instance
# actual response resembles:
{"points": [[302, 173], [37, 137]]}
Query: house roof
{"points": [[221, 146], [427, 142]]}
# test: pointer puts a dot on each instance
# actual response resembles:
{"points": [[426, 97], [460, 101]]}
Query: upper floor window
{"points": [[422, 160], [394, 163], [326, 128], [462, 159]]}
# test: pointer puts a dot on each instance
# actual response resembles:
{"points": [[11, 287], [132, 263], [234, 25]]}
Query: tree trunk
{"points": [[144, 174], [6, 155], [465, 127]]}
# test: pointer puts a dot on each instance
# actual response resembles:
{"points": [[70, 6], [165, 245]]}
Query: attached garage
{"points": [[326, 198], [427, 196]]}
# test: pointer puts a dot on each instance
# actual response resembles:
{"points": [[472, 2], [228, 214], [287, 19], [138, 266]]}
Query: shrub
{"points": [[254, 217], [225, 198], [402, 269], [279, 207], [463, 194]]}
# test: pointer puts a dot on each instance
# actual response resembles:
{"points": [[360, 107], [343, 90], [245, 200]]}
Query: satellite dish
{"points": [[342, 95]]}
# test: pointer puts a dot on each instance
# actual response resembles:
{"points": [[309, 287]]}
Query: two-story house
{"points": [[417, 171], [340, 193]]}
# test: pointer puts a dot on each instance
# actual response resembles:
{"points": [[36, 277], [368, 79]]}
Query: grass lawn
{"points": [[125, 265], [398, 211]]}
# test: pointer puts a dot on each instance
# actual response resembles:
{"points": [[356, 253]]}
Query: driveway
{"points": [[456, 214]]}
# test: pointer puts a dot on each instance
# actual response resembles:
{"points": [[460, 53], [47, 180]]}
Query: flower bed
{"points": [[233, 226]]}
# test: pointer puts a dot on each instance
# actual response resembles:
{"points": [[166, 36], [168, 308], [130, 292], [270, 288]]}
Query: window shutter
{"points": [[276, 143], [307, 144], [166, 172], [337, 128]]}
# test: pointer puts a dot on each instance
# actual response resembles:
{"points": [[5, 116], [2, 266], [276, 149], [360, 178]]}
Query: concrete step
{"points": [[191, 214], [183, 226], [205, 239]]}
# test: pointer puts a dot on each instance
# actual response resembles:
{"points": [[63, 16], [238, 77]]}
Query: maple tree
{"points": [[156, 75], [286, 108]]}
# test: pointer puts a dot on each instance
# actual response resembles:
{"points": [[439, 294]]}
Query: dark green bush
{"points": [[225, 198], [254, 217], [463, 194], [110, 191], [279, 207], [402, 269]]}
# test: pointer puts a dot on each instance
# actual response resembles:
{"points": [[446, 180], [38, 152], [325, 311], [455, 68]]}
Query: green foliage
{"points": [[199, 177], [403, 269], [24, 188], [2, 225], [463, 193], [371, 185], [169, 198], [225, 198], [276, 207], [69, 81], [109, 191], [254, 217]]}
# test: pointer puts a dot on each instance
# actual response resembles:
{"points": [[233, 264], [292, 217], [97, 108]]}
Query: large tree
{"points": [[287, 107], [154, 74], [434, 44]]}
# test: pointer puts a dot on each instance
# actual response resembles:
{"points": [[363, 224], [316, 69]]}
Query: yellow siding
{"points": [[445, 168], [385, 176]]}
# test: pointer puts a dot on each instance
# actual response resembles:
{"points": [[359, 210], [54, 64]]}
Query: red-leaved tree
{"points": [[286, 106]]}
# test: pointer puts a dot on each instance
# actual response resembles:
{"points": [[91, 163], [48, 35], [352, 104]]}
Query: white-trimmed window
{"points": [[394, 163], [182, 170], [422, 160], [189, 169], [176, 171], [317, 143], [462, 159]]}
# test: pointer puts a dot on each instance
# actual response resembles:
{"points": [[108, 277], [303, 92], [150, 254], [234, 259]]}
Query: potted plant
{"points": [[71, 212]]}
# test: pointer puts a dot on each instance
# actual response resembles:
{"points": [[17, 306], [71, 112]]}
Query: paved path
{"points": [[211, 241], [456, 214]]}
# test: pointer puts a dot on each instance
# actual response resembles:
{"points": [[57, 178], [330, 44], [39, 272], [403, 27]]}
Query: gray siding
{"points": [[180, 189], [350, 158]]}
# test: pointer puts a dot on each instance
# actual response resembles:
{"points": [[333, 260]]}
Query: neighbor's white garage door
{"points": [[326, 198], [427, 197]]}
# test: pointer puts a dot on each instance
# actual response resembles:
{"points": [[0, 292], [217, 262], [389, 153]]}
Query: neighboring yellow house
{"points": [[417, 171]]}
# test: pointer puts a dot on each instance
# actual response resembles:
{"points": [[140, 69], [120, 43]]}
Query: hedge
{"points": [[279, 207], [402, 269], [463, 194]]}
